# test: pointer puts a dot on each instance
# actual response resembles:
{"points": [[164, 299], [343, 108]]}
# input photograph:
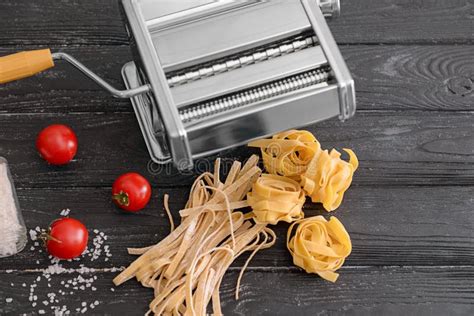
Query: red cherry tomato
{"points": [[67, 238], [131, 192], [57, 144]]}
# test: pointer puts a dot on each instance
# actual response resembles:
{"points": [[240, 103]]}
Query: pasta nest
{"points": [[289, 153], [275, 198], [324, 176], [319, 246], [328, 177]]}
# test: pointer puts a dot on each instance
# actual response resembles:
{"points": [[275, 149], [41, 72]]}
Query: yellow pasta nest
{"points": [[328, 177], [275, 198], [323, 175], [319, 246], [288, 153]]}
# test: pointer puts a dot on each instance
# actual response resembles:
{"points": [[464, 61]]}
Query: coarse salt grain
{"points": [[80, 279], [8, 300]]}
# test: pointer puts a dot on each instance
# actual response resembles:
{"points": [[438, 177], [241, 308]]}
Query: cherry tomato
{"points": [[66, 238], [131, 192], [57, 144]]}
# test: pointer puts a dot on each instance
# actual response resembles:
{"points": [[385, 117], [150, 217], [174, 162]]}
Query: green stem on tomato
{"points": [[122, 198], [45, 237]]}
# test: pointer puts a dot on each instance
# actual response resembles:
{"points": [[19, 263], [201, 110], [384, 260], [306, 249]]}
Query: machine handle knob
{"points": [[24, 64]]}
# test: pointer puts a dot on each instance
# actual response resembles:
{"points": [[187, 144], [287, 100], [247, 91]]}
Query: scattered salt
{"points": [[65, 212], [80, 279], [33, 234], [41, 312]]}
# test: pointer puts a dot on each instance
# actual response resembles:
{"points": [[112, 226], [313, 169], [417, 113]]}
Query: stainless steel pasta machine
{"points": [[209, 75]]}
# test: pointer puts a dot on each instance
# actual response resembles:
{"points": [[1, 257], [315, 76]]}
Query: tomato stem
{"points": [[122, 198], [45, 237]]}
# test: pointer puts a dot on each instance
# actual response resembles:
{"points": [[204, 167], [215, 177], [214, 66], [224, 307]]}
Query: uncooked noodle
{"points": [[186, 268], [323, 175], [319, 246], [328, 177], [288, 153], [275, 198]]}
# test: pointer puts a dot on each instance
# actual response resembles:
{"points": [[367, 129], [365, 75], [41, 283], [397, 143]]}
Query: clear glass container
{"points": [[13, 235]]}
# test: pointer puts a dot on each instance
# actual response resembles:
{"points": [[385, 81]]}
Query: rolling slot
{"points": [[253, 75], [259, 93], [242, 60]]}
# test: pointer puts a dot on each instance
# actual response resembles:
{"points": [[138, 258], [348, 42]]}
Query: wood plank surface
{"points": [[359, 291], [388, 226], [409, 211], [77, 23], [394, 77], [395, 148]]}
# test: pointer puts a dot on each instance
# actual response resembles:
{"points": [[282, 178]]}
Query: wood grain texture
{"points": [[409, 211], [395, 149], [388, 226], [359, 291], [394, 77], [79, 23]]}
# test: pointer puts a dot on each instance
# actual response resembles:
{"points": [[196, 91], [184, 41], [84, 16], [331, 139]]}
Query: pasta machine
{"points": [[209, 75]]}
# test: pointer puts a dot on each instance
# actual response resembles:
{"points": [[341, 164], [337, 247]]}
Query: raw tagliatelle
{"points": [[328, 177], [275, 198], [186, 268], [323, 175], [289, 153], [319, 246]]}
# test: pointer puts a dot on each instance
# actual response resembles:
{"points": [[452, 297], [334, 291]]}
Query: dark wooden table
{"points": [[410, 211]]}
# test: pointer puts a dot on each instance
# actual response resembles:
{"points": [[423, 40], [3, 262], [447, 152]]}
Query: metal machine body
{"points": [[209, 75], [225, 72]]}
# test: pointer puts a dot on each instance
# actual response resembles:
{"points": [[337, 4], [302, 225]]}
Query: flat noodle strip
{"points": [[186, 268], [289, 153], [328, 177], [276, 198], [323, 175], [319, 246], [168, 212]]}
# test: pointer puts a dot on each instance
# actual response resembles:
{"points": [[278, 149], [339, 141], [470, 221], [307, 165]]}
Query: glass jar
{"points": [[13, 235]]}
